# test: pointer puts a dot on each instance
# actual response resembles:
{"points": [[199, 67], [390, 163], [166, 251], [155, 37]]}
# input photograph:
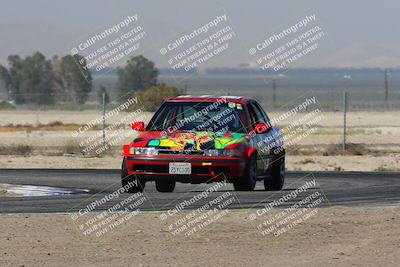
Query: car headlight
{"points": [[212, 153], [233, 153], [222, 153], [144, 151]]}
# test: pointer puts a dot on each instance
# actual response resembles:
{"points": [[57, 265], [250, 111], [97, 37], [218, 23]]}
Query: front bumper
{"points": [[204, 169]]}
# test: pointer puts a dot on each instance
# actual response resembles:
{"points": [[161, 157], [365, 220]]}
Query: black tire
{"points": [[249, 179], [126, 178], [277, 179], [165, 185]]}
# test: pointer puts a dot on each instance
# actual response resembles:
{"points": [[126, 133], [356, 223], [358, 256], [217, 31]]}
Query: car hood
{"points": [[190, 140]]}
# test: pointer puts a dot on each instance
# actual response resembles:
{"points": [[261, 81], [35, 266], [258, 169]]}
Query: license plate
{"points": [[180, 168]]}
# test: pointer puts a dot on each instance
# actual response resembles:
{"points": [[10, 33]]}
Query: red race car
{"points": [[203, 139]]}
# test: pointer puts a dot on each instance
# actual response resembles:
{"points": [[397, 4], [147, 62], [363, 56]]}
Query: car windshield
{"points": [[198, 116]]}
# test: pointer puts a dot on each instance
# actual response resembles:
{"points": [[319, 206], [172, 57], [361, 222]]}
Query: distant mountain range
{"points": [[361, 56], [253, 71]]}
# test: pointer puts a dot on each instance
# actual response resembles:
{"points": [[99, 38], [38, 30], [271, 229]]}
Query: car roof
{"points": [[208, 98]]}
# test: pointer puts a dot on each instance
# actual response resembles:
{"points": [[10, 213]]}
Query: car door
{"points": [[256, 139], [275, 134], [264, 142]]}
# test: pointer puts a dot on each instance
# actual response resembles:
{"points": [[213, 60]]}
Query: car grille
{"points": [[180, 152]]}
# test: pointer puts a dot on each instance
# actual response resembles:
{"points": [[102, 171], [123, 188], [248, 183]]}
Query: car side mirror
{"points": [[262, 128], [138, 126]]}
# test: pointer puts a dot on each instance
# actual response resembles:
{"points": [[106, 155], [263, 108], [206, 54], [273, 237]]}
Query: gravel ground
{"points": [[332, 237]]}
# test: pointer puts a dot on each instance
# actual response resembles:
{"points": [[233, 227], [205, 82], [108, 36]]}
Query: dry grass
{"points": [[19, 150], [307, 161], [386, 169], [6, 106], [351, 150], [51, 126], [72, 147]]}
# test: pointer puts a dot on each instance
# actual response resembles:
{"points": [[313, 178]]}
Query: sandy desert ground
{"points": [[332, 237], [331, 119], [376, 136], [363, 127], [293, 163]]}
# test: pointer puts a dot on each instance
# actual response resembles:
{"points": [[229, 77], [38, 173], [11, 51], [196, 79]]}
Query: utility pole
{"points": [[386, 85], [344, 119], [273, 93], [332, 100], [104, 119]]}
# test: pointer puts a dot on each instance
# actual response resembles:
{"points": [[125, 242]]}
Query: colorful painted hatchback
{"points": [[203, 139]]}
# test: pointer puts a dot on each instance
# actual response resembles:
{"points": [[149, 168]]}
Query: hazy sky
{"points": [[358, 33]]}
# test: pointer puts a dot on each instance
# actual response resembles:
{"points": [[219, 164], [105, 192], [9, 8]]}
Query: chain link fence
{"points": [[372, 125]]}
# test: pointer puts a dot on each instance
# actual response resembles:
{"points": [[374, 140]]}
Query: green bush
{"points": [[18, 150], [152, 98], [6, 106]]}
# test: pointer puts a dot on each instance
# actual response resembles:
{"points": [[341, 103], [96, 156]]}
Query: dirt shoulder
{"points": [[355, 119], [333, 237], [293, 162]]}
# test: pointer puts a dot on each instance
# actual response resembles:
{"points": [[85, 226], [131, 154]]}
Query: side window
{"points": [[253, 116], [259, 116], [264, 114]]}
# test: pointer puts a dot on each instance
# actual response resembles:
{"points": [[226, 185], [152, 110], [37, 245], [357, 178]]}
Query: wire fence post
{"points": [[104, 119], [386, 86], [273, 93], [344, 119]]}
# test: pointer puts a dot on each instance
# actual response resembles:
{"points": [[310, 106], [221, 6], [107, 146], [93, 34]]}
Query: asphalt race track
{"points": [[339, 189]]}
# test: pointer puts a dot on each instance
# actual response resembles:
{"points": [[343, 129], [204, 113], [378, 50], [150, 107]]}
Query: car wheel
{"points": [[277, 179], [136, 185], [249, 180], [165, 185]]}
